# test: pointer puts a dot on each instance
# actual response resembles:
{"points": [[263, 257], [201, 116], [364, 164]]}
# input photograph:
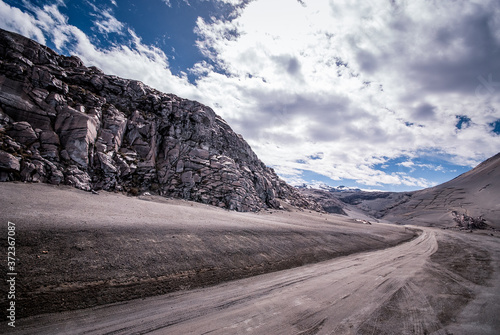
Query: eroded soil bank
{"points": [[439, 283], [75, 249]]}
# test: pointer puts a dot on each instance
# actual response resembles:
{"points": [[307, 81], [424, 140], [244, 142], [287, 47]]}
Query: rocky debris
{"points": [[325, 198], [8, 165], [62, 122], [467, 222], [363, 221]]}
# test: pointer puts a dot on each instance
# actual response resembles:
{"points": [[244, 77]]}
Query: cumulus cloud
{"points": [[15, 20], [361, 82]]}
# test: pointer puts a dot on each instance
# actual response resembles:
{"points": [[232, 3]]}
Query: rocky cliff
{"points": [[64, 123]]}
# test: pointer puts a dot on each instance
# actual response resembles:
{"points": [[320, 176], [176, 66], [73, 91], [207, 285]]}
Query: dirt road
{"points": [[78, 250], [440, 283]]}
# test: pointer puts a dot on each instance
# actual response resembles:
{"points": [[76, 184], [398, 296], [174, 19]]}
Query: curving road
{"points": [[380, 292]]}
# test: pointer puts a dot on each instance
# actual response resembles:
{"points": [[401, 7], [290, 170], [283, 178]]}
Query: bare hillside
{"points": [[473, 195]]}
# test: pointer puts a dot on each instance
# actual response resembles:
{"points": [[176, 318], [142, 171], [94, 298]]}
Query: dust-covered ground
{"points": [[353, 280], [423, 286], [75, 249]]}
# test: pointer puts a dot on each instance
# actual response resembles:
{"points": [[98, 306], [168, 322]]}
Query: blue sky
{"points": [[386, 95]]}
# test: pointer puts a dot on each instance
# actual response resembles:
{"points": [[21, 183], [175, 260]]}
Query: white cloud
{"points": [[362, 82], [355, 80], [107, 23], [233, 2], [14, 19], [407, 164]]}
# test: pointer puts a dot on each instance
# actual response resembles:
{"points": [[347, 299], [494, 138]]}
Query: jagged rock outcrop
{"points": [[64, 123], [325, 199]]}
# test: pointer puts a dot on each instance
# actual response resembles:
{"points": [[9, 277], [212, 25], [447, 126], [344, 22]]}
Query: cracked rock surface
{"points": [[64, 123]]}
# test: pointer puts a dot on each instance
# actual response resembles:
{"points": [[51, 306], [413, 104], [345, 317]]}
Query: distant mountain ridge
{"points": [[474, 194], [329, 188], [64, 123]]}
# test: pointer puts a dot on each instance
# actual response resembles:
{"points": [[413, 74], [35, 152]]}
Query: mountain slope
{"points": [[474, 193], [64, 123]]}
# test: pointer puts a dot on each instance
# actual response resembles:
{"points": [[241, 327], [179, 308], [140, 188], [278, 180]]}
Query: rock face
{"points": [[64, 123], [325, 199]]}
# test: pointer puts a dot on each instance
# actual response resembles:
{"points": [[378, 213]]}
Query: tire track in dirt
{"points": [[436, 296], [415, 288], [307, 300]]}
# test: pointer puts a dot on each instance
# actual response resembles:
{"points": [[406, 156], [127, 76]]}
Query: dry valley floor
{"points": [[195, 269]]}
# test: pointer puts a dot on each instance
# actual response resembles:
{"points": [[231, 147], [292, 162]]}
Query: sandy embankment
{"points": [[439, 283], [75, 249]]}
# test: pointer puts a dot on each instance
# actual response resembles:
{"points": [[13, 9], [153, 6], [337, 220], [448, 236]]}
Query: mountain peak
{"points": [[64, 123]]}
